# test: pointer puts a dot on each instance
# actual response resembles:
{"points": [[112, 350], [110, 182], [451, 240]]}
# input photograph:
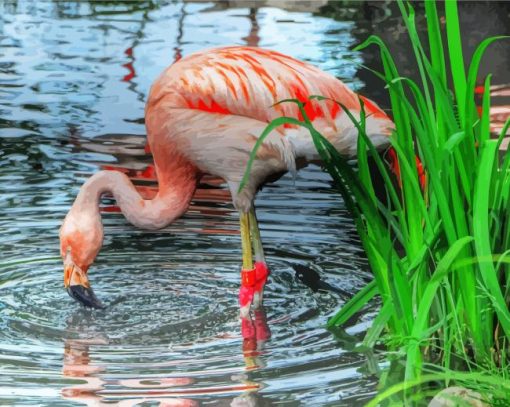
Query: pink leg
{"points": [[252, 287], [261, 269], [261, 274], [247, 291]]}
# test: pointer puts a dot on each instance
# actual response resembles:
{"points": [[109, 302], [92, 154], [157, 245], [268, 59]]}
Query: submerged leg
{"points": [[255, 334], [261, 270], [248, 272]]}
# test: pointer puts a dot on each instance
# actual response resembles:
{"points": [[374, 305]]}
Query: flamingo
{"points": [[204, 115]]}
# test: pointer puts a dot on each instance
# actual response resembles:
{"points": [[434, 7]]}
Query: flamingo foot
{"points": [[252, 287], [246, 292], [261, 274]]}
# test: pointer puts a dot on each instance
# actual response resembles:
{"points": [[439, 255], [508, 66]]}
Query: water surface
{"points": [[73, 82]]}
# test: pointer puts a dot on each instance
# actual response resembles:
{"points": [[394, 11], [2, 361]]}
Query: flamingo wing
{"points": [[248, 81], [230, 94]]}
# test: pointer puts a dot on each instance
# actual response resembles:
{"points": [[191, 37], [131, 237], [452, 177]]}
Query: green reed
{"points": [[440, 258]]}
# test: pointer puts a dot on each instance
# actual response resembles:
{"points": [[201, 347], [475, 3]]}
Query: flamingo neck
{"points": [[172, 200]]}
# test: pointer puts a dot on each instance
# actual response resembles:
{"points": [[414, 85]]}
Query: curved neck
{"points": [[171, 202]]}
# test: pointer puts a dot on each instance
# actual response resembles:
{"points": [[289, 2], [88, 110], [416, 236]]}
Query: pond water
{"points": [[73, 82]]}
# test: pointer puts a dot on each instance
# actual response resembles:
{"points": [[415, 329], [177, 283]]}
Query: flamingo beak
{"points": [[78, 287]]}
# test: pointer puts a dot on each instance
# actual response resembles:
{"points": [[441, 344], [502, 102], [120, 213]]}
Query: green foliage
{"points": [[445, 292]]}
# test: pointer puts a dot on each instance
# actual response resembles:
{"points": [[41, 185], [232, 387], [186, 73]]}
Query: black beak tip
{"points": [[85, 296]]}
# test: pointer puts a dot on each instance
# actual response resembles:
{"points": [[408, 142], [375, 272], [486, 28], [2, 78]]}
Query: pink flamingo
{"points": [[203, 116]]}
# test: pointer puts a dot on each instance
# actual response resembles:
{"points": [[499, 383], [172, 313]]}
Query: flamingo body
{"points": [[204, 114], [211, 107]]}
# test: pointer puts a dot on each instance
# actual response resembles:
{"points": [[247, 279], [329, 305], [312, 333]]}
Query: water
{"points": [[73, 81]]}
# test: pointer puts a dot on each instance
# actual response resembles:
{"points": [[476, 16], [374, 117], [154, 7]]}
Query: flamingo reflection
{"points": [[77, 365], [255, 332], [97, 389]]}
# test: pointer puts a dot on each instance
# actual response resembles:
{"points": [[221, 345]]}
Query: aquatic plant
{"points": [[440, 256]]}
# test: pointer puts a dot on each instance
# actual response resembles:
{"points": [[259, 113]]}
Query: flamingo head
{"points": [[81, 238]]}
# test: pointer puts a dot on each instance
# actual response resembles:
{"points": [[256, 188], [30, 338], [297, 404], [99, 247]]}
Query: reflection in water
{"points": [[128, 392], [180, 33], [252, 39], [255, 333], [77, 364], [94, 389]]}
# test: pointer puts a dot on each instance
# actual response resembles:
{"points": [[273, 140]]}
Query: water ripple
{"points": [[170, 333]]}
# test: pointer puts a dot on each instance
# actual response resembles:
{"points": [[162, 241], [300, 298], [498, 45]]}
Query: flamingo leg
{"points": [[246, 242], [255, 236], [261, 270], [247, 289]]}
